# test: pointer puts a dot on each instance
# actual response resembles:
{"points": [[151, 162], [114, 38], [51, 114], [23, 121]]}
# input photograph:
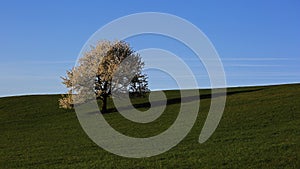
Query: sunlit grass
{"points": [[259, 129]]}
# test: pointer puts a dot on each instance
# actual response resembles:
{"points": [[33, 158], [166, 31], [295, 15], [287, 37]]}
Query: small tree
{"points": [[107, 68]]}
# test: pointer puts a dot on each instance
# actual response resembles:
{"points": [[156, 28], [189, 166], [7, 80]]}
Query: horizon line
{"points": [[202, 88]]}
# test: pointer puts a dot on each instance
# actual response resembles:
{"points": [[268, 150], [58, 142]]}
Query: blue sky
{"points": [[258, 41]]}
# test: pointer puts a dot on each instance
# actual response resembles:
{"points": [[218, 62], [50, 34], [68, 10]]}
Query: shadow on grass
{"points": [[179, 100]]}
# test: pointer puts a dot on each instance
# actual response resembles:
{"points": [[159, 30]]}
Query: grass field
{"points": [[260, 128]]}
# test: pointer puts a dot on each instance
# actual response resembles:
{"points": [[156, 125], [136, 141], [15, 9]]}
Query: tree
{"points": [[108, 67], [139, 85]]}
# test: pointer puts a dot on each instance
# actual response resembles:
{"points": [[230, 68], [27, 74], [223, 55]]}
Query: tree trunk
{"points": [[104, 104]]}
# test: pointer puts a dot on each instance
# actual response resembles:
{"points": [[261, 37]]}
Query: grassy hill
{"points": [[260, 128]]}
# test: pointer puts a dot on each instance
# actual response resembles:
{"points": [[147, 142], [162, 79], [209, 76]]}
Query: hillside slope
{"points": [[260, 128]]}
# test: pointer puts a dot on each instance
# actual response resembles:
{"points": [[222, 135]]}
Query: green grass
{"points": [[260, 128]]}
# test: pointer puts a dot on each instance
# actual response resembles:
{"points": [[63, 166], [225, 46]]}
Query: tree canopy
{"points": [[108, 67]]}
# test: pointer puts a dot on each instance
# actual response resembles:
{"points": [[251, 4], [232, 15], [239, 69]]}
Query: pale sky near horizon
{"points": [[257, 41]]}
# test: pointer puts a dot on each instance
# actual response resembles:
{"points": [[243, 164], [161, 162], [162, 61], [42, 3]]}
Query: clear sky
{"points": [[257, 40]]}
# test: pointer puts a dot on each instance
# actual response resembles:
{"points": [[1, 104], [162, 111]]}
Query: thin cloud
{"points": [[257, 59], [51, 62], [40, 62], [194, 58], [26, 77], [252, 65]]}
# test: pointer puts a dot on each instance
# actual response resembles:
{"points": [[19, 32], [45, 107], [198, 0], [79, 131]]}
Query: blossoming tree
{"points": [[108, 67]]}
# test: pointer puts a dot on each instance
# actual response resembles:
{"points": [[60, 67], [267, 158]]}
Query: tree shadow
{"points": [[179, 100]]}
